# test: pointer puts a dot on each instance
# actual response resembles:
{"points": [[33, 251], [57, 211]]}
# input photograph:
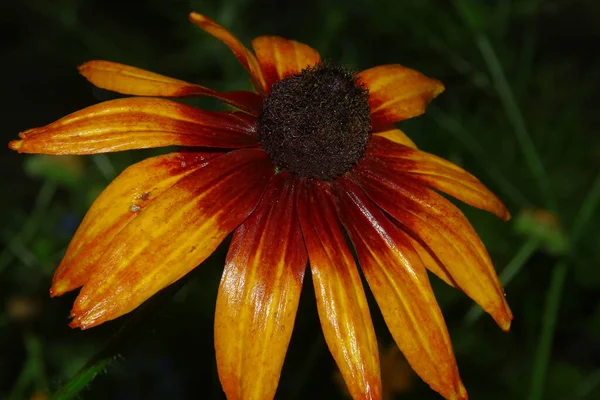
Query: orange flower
{"points": [[310, 154]]}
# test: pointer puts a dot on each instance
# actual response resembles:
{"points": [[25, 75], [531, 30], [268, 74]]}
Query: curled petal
{"points": [[173, 235], [259, 293], [279, 57], [437, 173], [138, 82], [341, 302], [397, 93], [132, 191], [244, 56], [441, 227], [138, 123], [395, 135], [401, 287]]}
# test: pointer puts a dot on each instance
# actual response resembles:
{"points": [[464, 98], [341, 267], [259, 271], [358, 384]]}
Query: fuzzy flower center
{"points": [[316, 123]]}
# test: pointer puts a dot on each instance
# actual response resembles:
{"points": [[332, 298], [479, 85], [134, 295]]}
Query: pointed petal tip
{"points": [[77, 323], [452, 390], [462, 392], [84, 68], [74, 324], [503, 316], [439, 89], [81, 68], [75, 320], [15, 145], [85, 317], [505, 323], [194, 16], [57, 290], [197, 18], [61, 285]]}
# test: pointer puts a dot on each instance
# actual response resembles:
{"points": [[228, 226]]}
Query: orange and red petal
{"points": [[278, 57], [441, 227], [341, 301], [128, 194], [402, 290], [138, 82], [138, 123], [259, 294], [173, 235], [395, 135], [437, 173], [397, 93], [244, 56]]}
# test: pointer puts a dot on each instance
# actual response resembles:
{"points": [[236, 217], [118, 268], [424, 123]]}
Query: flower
{"points": [[311, 154]]}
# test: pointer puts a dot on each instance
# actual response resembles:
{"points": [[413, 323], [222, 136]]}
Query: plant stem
{"points": [[557, 282], [515, 116], [544, 349]]}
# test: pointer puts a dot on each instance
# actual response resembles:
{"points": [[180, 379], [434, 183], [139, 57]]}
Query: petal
{"points": [[133, 190], [138, 82], [279, 57], [397, 93], [401, 287], [341, 301], [172, 235], [138, 123], [438, 225], [437, 173], [259, 293], [244, 56], [395, 135], [432, 262]]}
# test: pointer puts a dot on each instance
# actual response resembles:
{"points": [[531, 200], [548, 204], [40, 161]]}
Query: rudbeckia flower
{"points": [[310, 156]]}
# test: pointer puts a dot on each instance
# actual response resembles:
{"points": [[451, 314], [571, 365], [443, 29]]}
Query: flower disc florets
{"points": [[316, 123]]}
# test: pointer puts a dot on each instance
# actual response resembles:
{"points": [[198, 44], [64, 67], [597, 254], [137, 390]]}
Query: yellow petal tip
{"points": [[505, 325], [58, 289], [195, 17], [15, 145], [439, 89], [63, 281], [462, 392], [504, 318]]}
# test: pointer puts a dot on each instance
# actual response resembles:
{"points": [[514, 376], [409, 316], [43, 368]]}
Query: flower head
{"points": [[310, 154]]}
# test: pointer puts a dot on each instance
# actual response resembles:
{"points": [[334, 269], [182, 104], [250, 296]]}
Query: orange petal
{"points": [[441, 227], [136, 188], [401, 287], [395, 135], [437, 173], [173, 235], [279, 57], [138, 82], [244, 56], [431, 262], [138, 123], [341, 301], [259, 293], [397, 93]]}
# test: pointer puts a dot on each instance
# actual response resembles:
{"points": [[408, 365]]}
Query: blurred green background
{"points": [[520, 111]]}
